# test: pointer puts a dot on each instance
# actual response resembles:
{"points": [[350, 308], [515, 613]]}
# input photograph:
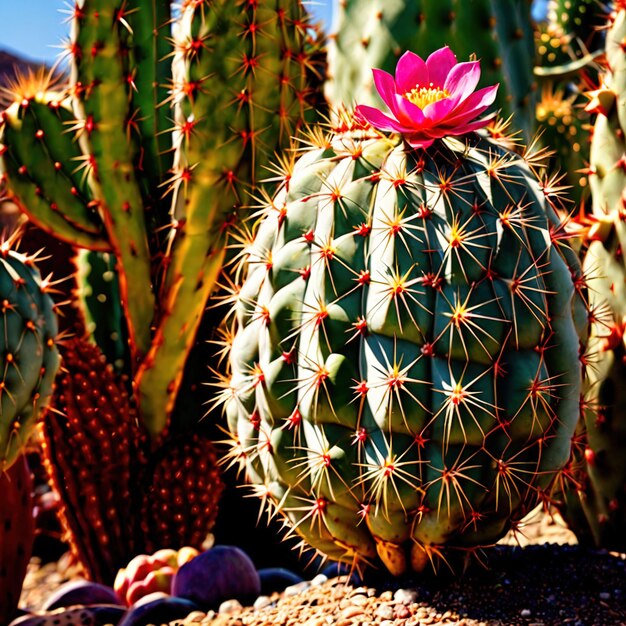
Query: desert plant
{"points": [[407, 354], [596, 510], [148, 156]]}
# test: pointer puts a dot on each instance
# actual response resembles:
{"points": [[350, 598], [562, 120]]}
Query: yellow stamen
{"points": [[423, 96]]}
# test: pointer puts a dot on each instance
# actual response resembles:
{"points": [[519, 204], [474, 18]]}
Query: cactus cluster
{"points": [[144, 161], [415, 360]]}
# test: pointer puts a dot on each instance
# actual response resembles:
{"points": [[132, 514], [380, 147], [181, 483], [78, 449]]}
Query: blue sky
{"points": [[34, 27]]}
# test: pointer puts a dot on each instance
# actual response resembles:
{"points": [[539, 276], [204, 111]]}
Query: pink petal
{"points": [[462, 79], [468, 128], [441, 109], [439, 64], [386, 87], [472, 107], [378, 119], [411, 71], [419, 141], [408, 113]]}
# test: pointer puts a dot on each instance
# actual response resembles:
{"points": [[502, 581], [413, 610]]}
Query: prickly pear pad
{"points": [[405, 371]]}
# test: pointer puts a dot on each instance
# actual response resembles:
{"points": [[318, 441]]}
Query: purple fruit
{"points": [[221, 573], [158, 611], [80, 592]]}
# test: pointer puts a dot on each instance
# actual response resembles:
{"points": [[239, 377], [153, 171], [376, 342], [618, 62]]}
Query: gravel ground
{"points": [[542, 584]]}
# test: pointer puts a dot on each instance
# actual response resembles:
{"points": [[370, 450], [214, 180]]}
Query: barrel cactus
{"points": [[405, 369]]}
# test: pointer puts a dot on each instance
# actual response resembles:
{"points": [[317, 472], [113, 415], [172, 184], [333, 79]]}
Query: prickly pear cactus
{"points": [[17, 534], [601, 476], [405, 374], [374, 34], [29, 354]]}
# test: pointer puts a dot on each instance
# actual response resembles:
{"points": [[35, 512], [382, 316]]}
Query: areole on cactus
{"points": [[405, 369]]}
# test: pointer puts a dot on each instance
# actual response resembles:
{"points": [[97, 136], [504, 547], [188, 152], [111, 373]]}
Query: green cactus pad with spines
{"points": [[580, 22], [42, 165], [29, 353], [239, 97], [374, 35], [600, 474], [102, 100], [406, 373]]}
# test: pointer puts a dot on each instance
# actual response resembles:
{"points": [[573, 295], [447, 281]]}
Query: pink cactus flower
{"points": [[430, 99]]}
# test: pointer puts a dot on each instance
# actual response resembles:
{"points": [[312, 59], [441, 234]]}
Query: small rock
{"points": [[228, 607], [95, 615], [319, 580], [276, 579], [80, 592], [352, 611], [262, 602], [526, 613], [219, 574], [401, 611], [158, 611], [294, 590], [195, 617], [406, 596], [384, 611]]}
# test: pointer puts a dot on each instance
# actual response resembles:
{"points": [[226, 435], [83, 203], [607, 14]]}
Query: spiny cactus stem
{"points": [[160, 374], [103, 103]]}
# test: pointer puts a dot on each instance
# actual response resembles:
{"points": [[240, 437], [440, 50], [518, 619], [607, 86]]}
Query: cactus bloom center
{"points": [[423, 96], [431, 99]]}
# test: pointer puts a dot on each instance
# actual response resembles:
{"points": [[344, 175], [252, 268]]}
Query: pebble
{"points": [[261, 602], [406, 596], [230, 606], [298, 588], [525, 612], [318, 580], [352, 611], [384, 611], [195, 617]]}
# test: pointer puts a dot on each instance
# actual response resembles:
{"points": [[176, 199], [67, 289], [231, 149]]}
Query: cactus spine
{"points": [[405, 374]]}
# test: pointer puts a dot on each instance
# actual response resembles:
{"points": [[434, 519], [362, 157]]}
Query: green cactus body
{"points": [[374, 34], [29, 354], [405, 374], [602, 480]]}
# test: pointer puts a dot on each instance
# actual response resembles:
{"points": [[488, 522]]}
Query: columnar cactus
{"points": [[146, 161], [601, 481], [374, 33], [406, 369]]}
